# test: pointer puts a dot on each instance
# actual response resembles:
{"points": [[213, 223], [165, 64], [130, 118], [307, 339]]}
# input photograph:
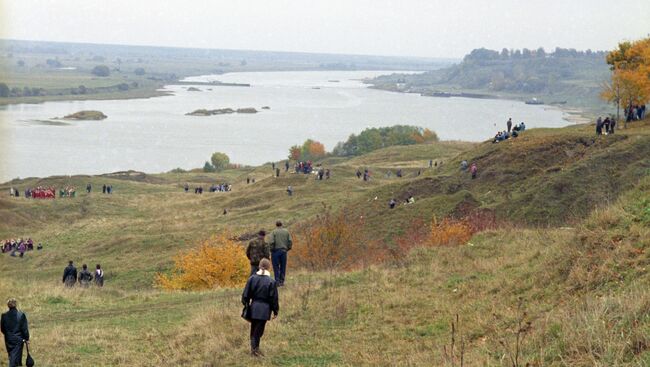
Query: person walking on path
{"points": [[99, 276], [257, 250], [261, 297], [13, 325], [280, 244], [84, 276], [473, 170], [70, 275], [509, 124]]}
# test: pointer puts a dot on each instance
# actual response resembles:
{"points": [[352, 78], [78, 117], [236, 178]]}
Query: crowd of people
{"points": [[19, 246], [510, 132], [606, 126], [303, 167], [636, 112], [50, 192], [84, 277]]}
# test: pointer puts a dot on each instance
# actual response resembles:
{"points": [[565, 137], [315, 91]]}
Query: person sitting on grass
{"points": [[261, 297]]}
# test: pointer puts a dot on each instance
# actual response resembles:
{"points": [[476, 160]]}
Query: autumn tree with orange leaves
{"points": [[218, 262], [630, 82]]}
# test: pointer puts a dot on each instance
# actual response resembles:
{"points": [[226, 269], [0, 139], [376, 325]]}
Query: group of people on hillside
{"points": [[68, 191], [223, 187], [636, 112], [365, 174], [605, 126], [84, 277], [107, 189], [510, 132], [19, 246], [303, 167], [39, 192], [409, 200], [260, 296], [473, 169], [323, 173]]}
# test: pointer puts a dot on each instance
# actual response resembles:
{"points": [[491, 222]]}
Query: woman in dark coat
{"points": [[13, 325], [261, 296]]}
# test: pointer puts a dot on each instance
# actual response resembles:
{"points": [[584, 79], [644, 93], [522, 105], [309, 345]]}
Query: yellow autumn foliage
{"points": [[218, 262], [450, 232]]}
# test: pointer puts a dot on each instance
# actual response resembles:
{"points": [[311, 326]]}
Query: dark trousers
{"points": [[279, 259], [15, 355], [257, 330]]}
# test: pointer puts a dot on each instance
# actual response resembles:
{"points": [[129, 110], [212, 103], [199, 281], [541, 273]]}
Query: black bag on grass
{"points": [[29, 362]]}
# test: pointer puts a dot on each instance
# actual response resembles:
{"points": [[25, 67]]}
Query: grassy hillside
{"points": [[583, 282]]}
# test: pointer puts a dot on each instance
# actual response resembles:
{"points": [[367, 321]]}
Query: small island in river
{"points": [[221, 111], [86, 115]]}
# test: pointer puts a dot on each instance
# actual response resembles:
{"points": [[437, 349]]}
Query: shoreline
{"points": [[574, 115]]}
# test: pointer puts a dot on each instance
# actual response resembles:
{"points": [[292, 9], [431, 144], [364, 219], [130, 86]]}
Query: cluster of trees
{"points": [[309, 150], [5, 91], [630, 80], [218, 162], [527, 71], [483, 54], [516, 71], [377, 138], [101, 70]]}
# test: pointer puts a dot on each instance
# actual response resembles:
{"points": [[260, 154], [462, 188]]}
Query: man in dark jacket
{"points": [[261, 296], [13, 325], [84, 276], [70, 275], [257, 250], [280, 244]]}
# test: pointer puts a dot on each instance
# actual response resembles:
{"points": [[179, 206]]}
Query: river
{"points": [[155, 135]]}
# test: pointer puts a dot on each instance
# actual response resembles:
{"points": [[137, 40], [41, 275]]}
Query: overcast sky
{"points": [[430, 28]]}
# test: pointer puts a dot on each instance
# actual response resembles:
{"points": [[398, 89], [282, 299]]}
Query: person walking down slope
{"points": [[13, 325], [70, 275], [280, 244], [473, 170], [84, 276], [257, 250], [509, 124], [99, 276], [261, 297]]}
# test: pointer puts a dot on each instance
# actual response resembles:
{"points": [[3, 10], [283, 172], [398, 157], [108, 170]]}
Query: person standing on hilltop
{"points": [[70, 275], [257, 250], [84, 276], [280, 244], [509, 124], [261, 298], [13, 325]]}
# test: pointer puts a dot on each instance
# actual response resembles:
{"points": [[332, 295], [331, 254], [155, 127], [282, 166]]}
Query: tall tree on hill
{"points": [[219, 161], [630, 82]]}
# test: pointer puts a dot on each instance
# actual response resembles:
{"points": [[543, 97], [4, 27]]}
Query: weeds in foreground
{"points": [[513, 338], [454, 356]]}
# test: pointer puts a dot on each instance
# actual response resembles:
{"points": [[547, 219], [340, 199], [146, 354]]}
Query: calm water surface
{"points": [[154, 135]]}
